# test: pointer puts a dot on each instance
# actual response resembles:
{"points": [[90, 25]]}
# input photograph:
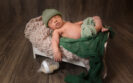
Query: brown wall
{"points": [[72, 10]]}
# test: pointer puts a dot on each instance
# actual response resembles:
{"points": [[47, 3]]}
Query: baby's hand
{"points": [[57, 56]]}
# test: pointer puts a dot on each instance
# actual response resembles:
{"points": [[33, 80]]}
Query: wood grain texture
{"points": [[16, 61], [72, 9]]}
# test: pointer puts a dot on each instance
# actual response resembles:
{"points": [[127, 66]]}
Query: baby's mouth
{"points": [[57, 24]]}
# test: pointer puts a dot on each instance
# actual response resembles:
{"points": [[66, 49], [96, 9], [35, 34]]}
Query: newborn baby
{"points": [[86, 28]]}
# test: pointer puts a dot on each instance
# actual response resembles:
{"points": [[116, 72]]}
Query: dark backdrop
{"points": [[72, 10]]}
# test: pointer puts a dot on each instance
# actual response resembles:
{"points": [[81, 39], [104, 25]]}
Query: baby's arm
{"points": [[98, 23], [55, 45]]}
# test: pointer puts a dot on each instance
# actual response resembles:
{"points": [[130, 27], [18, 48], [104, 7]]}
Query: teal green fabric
{"points": [[47, 14], [88, 28], [92, 47]]}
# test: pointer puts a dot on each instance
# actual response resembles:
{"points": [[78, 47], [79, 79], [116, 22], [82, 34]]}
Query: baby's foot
{"points": [[104, 29]]}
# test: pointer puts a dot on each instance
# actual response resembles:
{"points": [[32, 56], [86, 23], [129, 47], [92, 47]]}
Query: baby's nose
{"points": [[55, 21]]}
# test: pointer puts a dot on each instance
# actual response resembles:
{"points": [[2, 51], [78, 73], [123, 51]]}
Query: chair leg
{"points": [[34, 56], [104, 73]]}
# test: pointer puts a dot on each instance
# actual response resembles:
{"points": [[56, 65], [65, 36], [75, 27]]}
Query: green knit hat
{"points": [[47, 14]]}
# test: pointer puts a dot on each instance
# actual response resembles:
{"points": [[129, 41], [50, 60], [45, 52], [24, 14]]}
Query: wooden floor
{"points": [[18, 66]]}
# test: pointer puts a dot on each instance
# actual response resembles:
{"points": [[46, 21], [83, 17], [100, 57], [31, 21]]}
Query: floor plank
{"points": [[18, 66]]}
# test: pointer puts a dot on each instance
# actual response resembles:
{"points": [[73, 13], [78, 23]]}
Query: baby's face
{"points": [[55, 22]]}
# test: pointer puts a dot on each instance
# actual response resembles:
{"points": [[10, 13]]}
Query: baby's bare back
{"points": [[71, 30]]}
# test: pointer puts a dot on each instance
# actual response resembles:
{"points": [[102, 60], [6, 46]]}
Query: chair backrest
{"points": [[38, 34]]}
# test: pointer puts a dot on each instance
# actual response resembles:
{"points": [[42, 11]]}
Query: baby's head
{"points": [[52, 18]]}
